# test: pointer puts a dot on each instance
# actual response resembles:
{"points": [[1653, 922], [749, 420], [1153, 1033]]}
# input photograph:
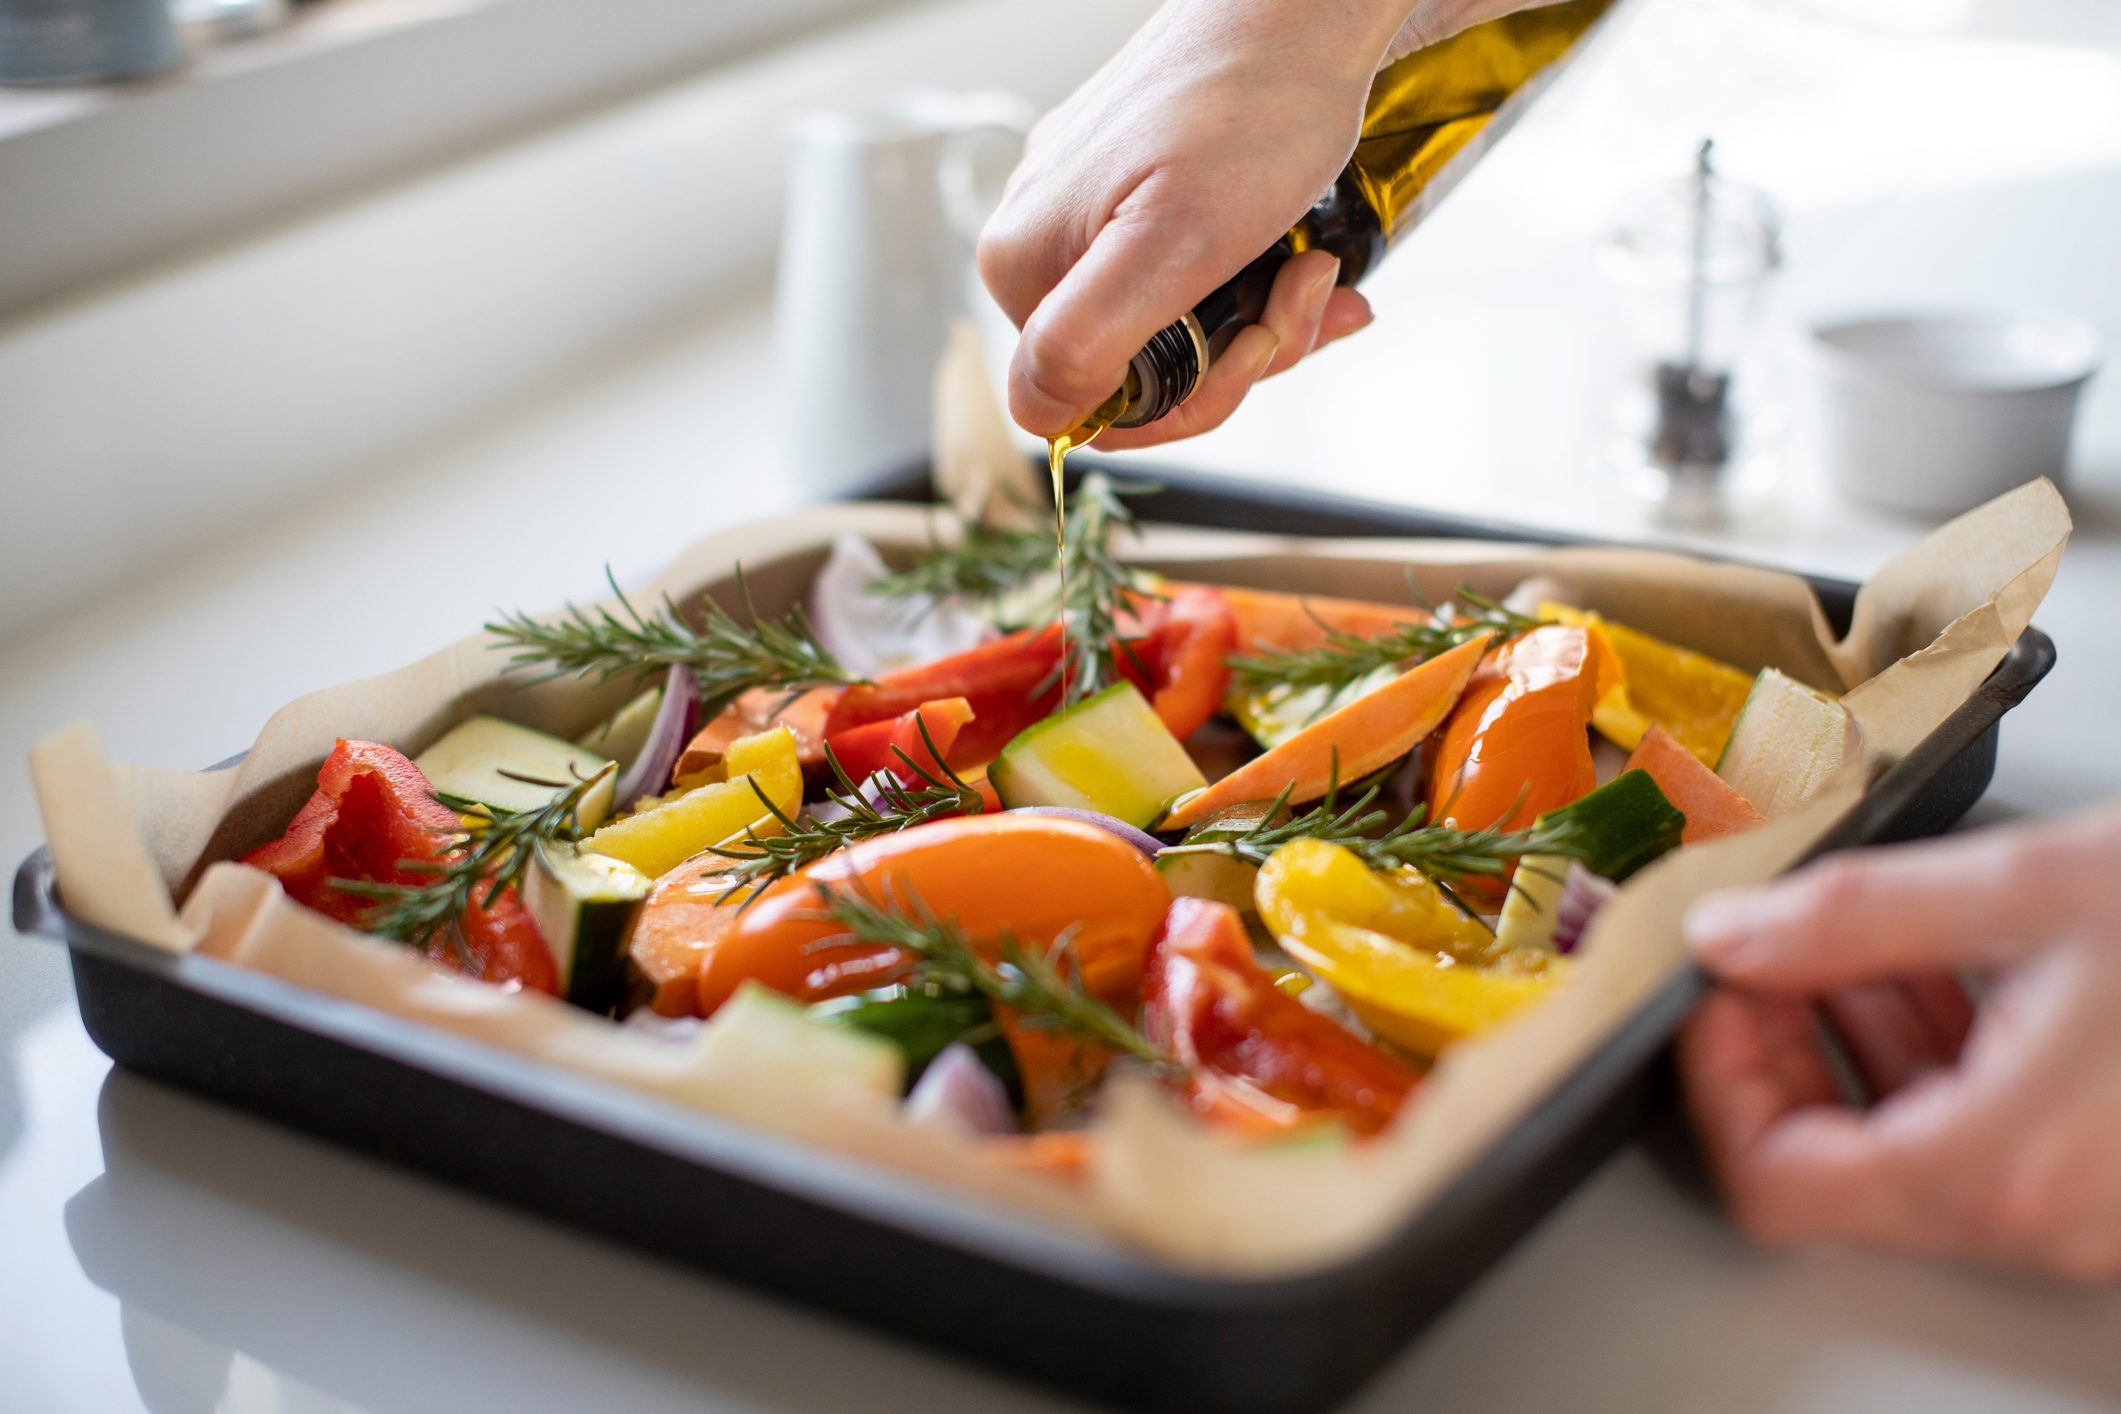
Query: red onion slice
{"points": [[1141, 839], [676, 719], [875, 791], [958, 1091], [872, 634], [1582, 895]]}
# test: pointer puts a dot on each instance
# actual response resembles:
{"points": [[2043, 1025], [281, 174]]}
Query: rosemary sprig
{"points": [[986, 563], [490, 854], [1446, 855], [1038, 985], [759, 860], [1096, 588], [1343, 658], [728, 658]]}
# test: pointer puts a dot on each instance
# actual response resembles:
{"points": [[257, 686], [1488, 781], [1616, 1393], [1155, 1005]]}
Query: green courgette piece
{"points": [[621, 736], [498, 763], [922, 1024], [1110, 753], [584, 905], [1220, 877], [759, 1035], [1789, 739], [1623, 825]]}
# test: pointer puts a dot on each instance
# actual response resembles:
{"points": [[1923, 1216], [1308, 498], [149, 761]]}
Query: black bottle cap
{"points": [[1168, 368]]}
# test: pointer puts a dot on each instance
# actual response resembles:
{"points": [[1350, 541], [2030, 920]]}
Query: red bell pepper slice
{"points": [[504, 945], [865, 750], [1000, 681], [1186, 647], [1259, 1058], [1177, 652], [373, 814], [372, 811]]}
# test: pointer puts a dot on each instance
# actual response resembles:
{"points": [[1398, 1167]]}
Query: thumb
{"points": [[1146, 267], [1981, 900]]}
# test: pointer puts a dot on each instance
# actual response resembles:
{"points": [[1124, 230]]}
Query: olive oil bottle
{"points": [[1423, 111]]}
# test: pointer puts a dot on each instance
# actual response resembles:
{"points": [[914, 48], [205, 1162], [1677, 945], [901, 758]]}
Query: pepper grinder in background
{"points": [[85, 41], [1696, 256]]}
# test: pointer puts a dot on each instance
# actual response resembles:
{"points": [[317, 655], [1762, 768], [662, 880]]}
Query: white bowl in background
{"points": [[1936, 413]]}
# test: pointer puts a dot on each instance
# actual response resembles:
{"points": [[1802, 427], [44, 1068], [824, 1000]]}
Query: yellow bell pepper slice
{"points": [[1691, 695], [1415, 969], [664, 834]]}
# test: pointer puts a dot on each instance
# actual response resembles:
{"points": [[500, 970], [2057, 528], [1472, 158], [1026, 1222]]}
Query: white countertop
{"points": [[159, 1253]]}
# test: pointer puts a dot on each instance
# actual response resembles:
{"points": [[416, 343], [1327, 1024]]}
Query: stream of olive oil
{"points": [[1057, 449], [1057, 458]]}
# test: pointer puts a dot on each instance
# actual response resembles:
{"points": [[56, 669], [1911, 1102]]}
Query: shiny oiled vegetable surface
{"points": [[837, 841]]}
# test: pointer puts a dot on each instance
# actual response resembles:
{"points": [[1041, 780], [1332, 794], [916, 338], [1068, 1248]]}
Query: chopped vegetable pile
{"points": [[1023, 860]]}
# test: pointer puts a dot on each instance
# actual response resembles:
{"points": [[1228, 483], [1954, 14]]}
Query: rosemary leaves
{"points": [[1039, 985], [757, 860], [987, 564], [728, 658], [1446, 855], [1344, 658], [494, 852], [1096, 589]]}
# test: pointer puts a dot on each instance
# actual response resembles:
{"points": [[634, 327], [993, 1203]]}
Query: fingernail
{"points": [[1321, 290], [1256, 363], [1053, 420], [1035, 412]]}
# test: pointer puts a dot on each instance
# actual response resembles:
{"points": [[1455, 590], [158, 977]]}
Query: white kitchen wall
{"points": [[145, 417], [96, 180]]}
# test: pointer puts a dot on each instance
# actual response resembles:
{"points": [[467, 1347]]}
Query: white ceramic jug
{"points": [[885, 201]]}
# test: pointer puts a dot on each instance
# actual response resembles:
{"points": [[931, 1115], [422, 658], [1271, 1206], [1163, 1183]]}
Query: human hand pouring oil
{"points": [[1429, 116]]}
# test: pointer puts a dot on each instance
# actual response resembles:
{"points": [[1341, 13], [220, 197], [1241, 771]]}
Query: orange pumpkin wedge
{"points": [[1267, 620], [1712, 805], [756, 711], [1373, 730], [678, 926], [1056, 1069]]}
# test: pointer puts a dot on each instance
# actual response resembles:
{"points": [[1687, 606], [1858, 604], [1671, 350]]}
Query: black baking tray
{"points": [[865, 1243]]}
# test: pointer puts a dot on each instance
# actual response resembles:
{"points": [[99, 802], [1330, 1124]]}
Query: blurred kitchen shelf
{"points": [[349, 95]]}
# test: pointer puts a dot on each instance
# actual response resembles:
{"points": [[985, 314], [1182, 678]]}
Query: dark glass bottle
{"points": [[1423, 111]]}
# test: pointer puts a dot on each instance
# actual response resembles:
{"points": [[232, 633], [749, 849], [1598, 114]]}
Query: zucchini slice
{"points": [[480, 758], [760, 1034], [1218, 876], [1788, 741], [1110, 753], [584, 904], [923, 1024], [1623, 825], [621, 736]]}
